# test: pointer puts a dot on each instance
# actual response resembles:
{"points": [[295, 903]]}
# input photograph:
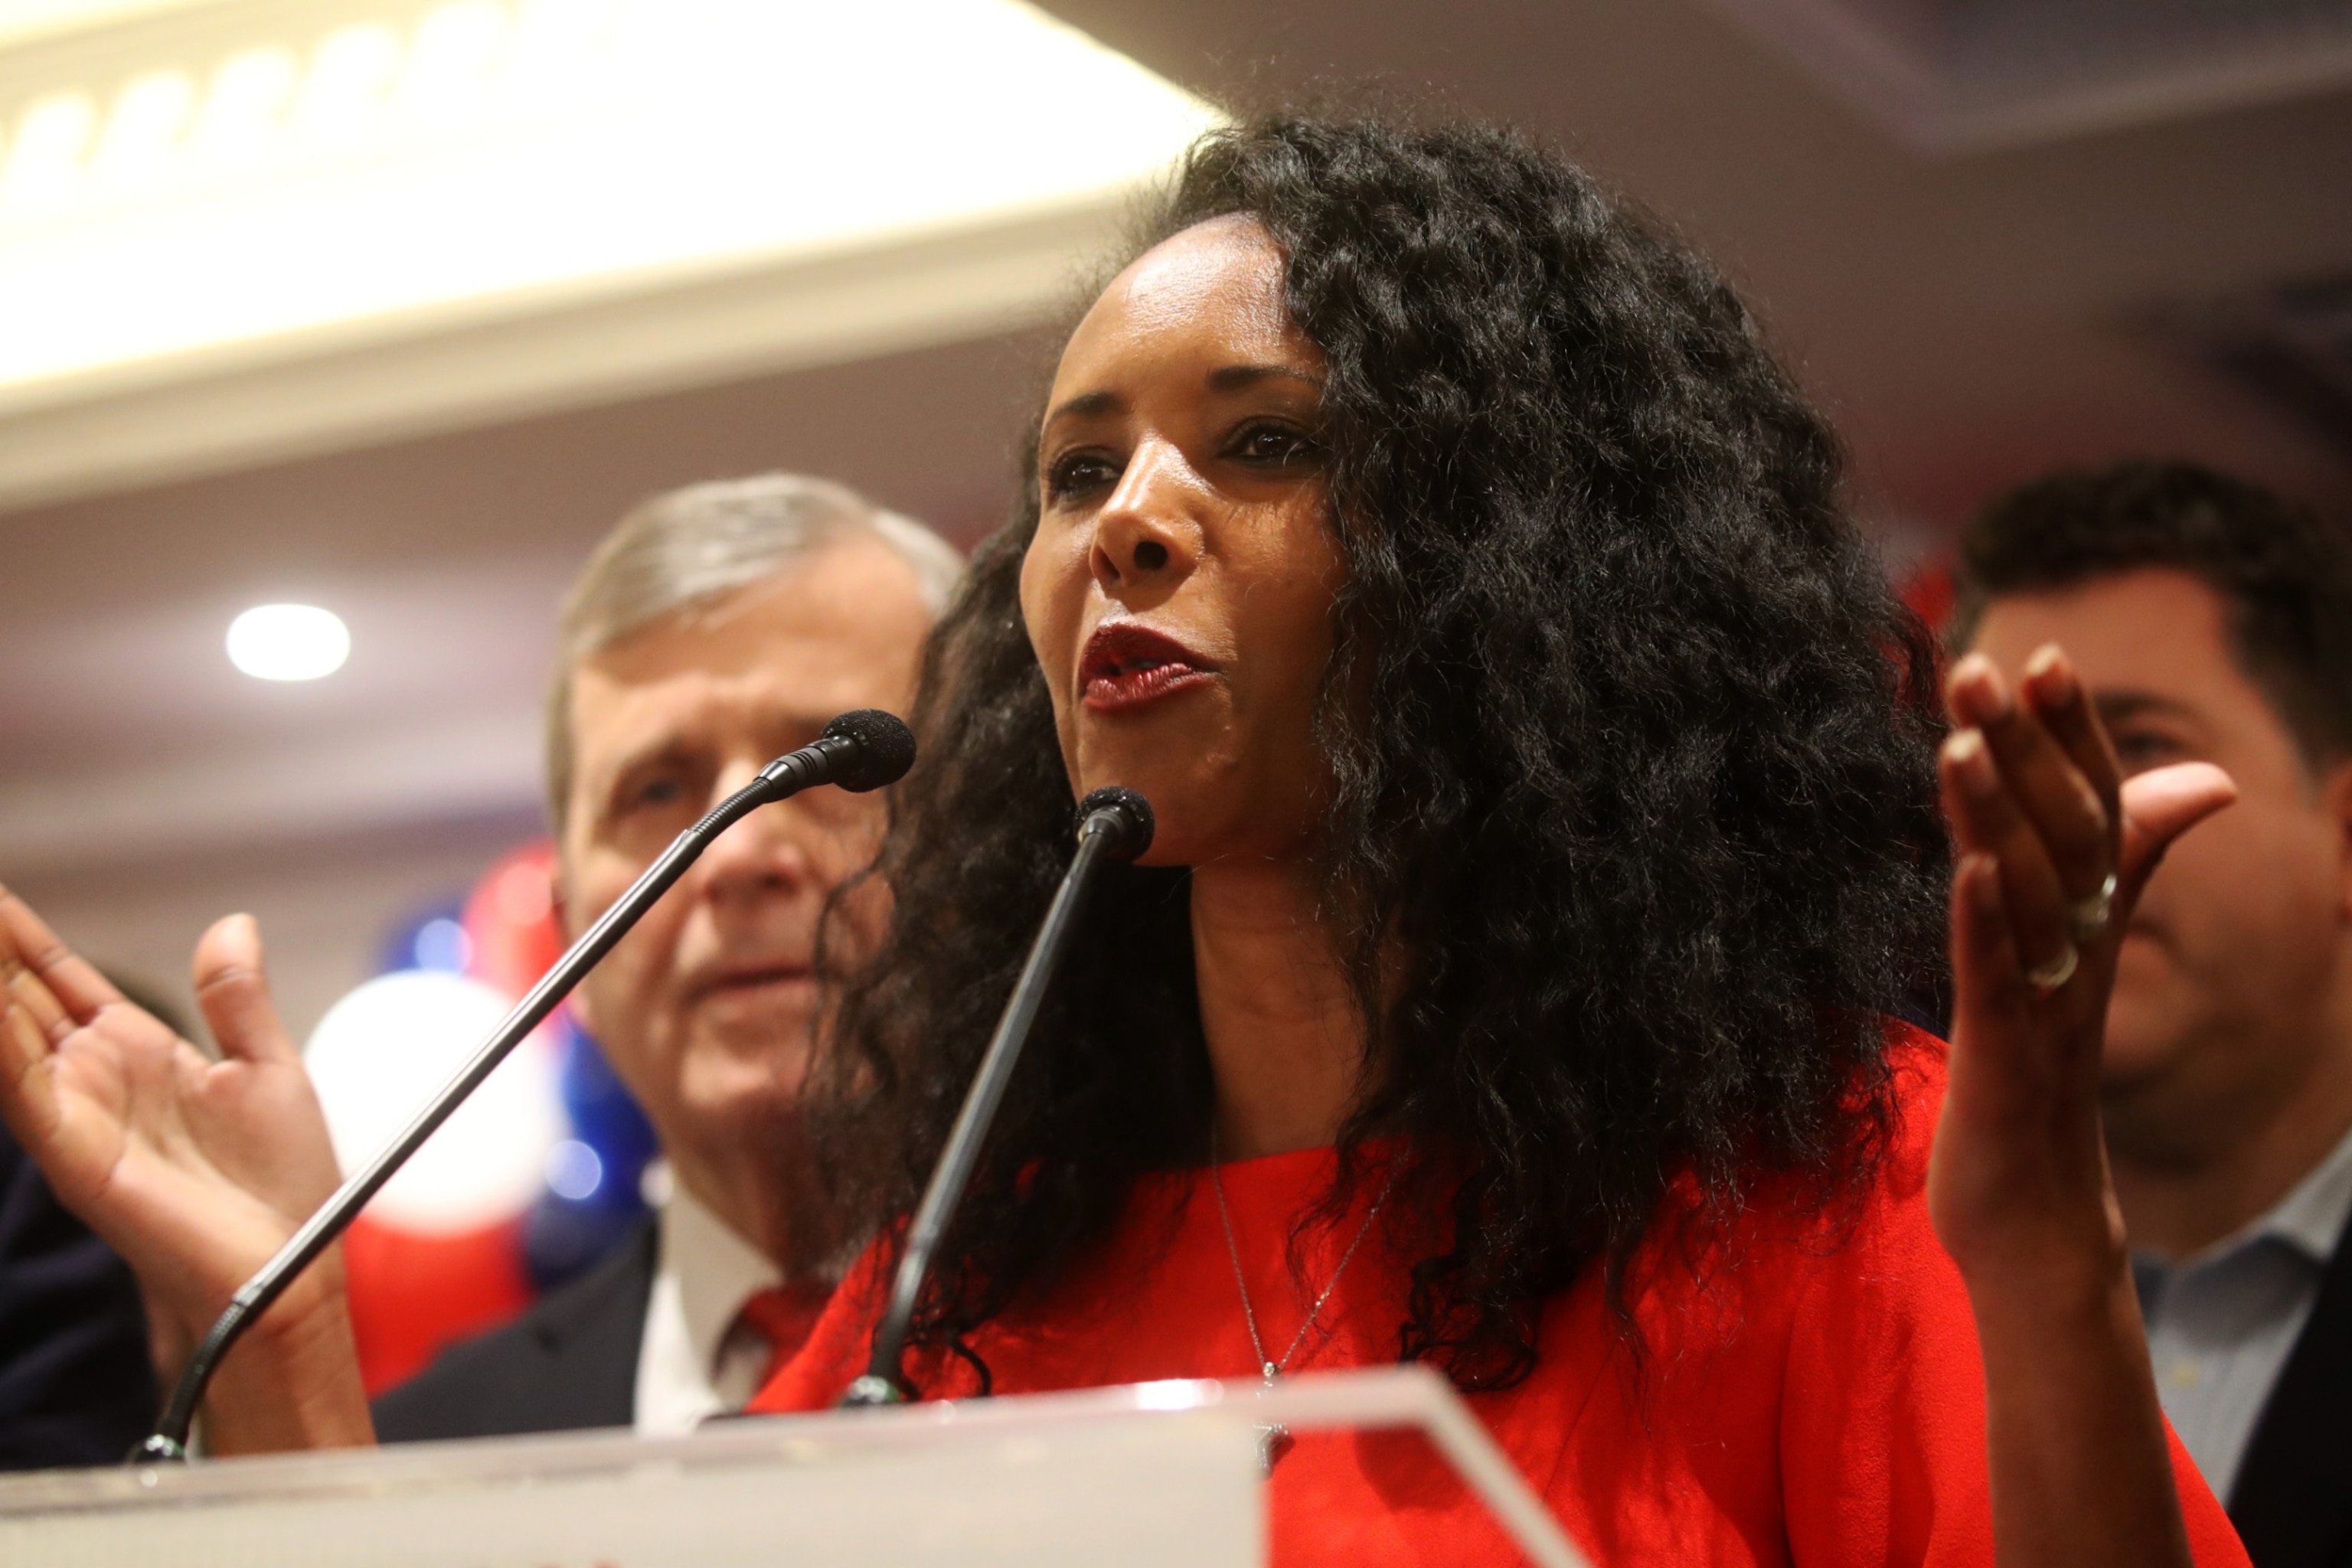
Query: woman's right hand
{"points": [[195, 1171], [2055, 847]]}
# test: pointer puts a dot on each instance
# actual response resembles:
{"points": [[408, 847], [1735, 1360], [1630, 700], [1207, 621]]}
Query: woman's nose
{"points": [[1145, 535]]}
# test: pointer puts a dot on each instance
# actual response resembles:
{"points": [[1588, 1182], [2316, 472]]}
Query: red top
{"points": [[1811, 1392]]}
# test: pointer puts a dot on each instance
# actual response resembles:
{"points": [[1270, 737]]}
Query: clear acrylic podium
{"points": [[1146, 1475]]}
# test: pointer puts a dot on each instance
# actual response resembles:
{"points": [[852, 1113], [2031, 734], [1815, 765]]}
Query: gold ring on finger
{"points": [[2048, 977], [2088, 917]]}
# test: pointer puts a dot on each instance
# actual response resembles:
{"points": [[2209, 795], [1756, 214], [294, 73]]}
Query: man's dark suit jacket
{"points": [[2292, 1501], [570, 1361], [76, 1384]]}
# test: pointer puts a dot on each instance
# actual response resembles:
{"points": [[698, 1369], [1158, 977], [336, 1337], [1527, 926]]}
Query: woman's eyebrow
{"points": [[1084, 404], [1226, 378], [1233, 377]]}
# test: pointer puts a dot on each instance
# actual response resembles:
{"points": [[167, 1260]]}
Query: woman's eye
{"points": [[1078, 473], [1273, 446]]}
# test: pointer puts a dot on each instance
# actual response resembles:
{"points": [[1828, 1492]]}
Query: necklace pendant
{"points": [[1274, 1440], [1270, 1371]]}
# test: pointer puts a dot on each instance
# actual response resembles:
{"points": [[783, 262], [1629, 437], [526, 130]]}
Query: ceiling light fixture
{"points": [[289, 642]]}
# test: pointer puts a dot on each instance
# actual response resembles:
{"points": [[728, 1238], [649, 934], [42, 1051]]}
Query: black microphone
{"points": [[1114, 825], [861, 751]]}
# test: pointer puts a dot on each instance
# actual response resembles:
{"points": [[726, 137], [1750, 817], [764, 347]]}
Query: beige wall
{"points": [[326, 906]]}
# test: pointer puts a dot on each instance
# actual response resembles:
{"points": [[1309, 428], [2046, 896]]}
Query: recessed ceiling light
{"points": [[289, 642]]}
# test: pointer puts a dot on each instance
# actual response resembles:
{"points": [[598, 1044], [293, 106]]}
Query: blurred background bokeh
{"points": [[392, 307]]}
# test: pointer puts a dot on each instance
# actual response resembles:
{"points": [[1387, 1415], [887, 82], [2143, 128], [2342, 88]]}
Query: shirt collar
{"points": [[2311, 1217], [2307, 1221], [716, 1269]]}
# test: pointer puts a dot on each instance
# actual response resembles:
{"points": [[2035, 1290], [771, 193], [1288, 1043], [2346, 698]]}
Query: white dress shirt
{"points": [[2220, 1325], [694, 1362]]}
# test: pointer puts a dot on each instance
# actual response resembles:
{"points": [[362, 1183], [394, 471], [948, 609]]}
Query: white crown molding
{"points": [[241, 231], [307, 395], [23, 22]]}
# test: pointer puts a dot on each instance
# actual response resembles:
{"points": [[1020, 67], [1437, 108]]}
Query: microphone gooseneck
{"points": [[1114, 826], [861, 751]]}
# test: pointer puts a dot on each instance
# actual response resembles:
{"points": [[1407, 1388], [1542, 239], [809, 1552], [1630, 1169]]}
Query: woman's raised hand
{"points": [[195, 1171], [2056, 848]]}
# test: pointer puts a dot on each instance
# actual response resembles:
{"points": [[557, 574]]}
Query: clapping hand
{"points": [[195, 1170]]}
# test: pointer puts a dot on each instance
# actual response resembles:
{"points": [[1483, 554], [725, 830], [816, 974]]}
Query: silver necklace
{"points": [[1273, 1440]]}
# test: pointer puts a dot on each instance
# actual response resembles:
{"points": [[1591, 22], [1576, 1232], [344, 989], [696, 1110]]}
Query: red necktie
{"points": [[784, 1319]]}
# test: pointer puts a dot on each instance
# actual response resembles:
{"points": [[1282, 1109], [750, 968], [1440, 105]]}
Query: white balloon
{"points": [[383, 1050]]}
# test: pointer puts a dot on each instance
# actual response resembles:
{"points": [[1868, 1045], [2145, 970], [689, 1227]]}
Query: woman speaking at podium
{"points": [[1547, 794], [1547, 825]]}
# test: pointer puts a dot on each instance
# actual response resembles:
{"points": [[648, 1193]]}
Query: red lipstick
{"points": [[1127, 665]]}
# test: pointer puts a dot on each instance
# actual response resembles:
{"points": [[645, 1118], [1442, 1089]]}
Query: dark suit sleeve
{"points": [[569, 1362], [76, 1384]]}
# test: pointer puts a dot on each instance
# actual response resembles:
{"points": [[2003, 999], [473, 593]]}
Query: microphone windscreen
{"points": [[885, 749], [1128, 814]]}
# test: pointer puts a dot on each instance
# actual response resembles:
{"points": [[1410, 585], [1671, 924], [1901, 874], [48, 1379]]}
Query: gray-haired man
{"points": [[716, 627]]}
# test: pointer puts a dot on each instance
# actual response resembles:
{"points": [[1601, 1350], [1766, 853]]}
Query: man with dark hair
{"points": [[2212, 621]]}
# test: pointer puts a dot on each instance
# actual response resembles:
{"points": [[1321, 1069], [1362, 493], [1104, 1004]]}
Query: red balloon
{"points": [[413, 1296], [511, 918], [1929, 593]]}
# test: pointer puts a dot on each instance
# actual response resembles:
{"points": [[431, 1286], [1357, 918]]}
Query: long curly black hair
{"points": [[1643, 793]]}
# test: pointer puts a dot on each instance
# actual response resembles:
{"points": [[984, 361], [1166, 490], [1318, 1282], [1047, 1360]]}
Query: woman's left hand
{"points": [[2054, 849]]}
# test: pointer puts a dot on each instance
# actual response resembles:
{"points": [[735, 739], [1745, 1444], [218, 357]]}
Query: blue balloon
{"points": [[434, 938], [604, 1114], [595, 1195]]}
